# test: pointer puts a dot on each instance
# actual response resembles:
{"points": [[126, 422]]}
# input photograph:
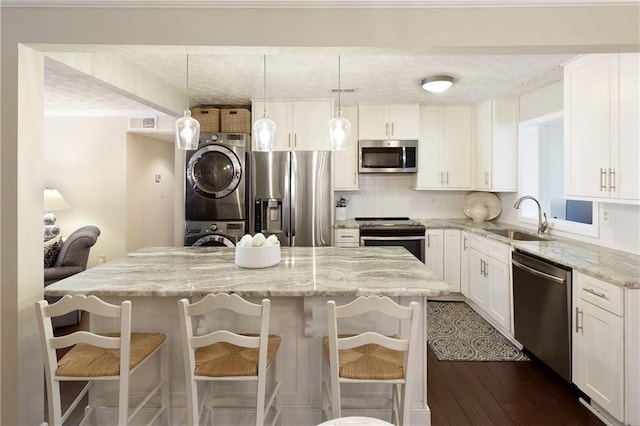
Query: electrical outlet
{"points": [[433, 201], [604, 217]]}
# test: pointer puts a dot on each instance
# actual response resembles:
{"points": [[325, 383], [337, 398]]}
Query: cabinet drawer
{"points": [[499, 251], [600, 293], [347, 237]]}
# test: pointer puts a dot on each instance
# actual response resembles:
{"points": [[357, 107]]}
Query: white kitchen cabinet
{"points": [[434, 251], [388, 121], [601, 132], [346, 237], [489, 280], [301, 125], [464, 263], [452, 259], [444, 154], [598, 343], [345, 162], [496, 160]]}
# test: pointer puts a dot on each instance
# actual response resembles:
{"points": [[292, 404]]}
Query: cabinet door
{"points": [[598, 361], [404, 121], [484, 130], [373, 121], [587, 100], [434, 251], [478, 285], [455, 152], [464, 264], [281, 114], [452, 259], [499, 294], [311, 125], [625, 153], [345, 162], [431, 140]]}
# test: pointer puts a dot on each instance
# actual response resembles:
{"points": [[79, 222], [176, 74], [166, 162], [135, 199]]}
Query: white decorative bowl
{"points": [[257, 257], [479, 212]]}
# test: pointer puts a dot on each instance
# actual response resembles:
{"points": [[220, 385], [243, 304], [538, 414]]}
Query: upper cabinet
{"points": [[602, 140], [345, 162], [302, 125], [496, 145], [444, 154], [388, 121]]}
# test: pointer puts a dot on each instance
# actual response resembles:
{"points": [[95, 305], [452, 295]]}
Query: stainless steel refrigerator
{"points": [[290, 196]]}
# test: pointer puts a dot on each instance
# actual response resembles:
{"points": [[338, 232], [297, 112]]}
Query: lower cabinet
{"points": [[598, 343], [464, 263], [346, 237], [489, 280], [442, 255]]}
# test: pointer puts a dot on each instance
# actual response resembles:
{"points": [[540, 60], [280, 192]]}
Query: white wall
{"points": [[85, 159], [150, 213]]}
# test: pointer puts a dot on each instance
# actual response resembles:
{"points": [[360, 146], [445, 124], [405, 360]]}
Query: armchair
{"points": [[72, 258]]}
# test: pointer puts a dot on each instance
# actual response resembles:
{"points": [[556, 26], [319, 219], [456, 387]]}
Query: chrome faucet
{"points": [[542, 225]]}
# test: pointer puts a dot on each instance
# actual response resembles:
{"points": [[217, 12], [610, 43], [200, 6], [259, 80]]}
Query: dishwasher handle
{"points": [[541, 274]]}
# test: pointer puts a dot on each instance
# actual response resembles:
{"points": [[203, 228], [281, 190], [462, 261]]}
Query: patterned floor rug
{"points": [[456, 332]]}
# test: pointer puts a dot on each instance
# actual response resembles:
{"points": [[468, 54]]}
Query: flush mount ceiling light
{"points": [[437, 84], [339, 127], [187, 127], [265, 128]]}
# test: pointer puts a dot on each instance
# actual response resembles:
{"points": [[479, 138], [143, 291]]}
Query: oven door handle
{"points": [[419, 237]]}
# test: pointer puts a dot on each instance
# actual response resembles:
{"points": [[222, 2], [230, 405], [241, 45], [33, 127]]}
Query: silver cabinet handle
{"points": [[482, 267], [486, 269], [464, 245], [486, 178], [429, 240], [289, 140], [603, 179], [295, 139], [579, 325], [596, 293], [612, 180], [392, 129], [386, 129], [441, 178], [447, 175]]}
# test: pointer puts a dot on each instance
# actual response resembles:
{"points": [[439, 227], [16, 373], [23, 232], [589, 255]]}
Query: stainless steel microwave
{"points": [[383, 156]]}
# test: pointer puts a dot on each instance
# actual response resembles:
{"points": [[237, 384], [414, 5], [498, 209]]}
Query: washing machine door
{"points": [[214, 240], [214, 171]]}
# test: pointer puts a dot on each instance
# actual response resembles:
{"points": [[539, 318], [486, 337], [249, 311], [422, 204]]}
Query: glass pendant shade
{"points": [[265, 131], [339, 129], [187, 132]]}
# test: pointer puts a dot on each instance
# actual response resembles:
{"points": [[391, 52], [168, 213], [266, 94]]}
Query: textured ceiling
{"points": [[234, 79]]}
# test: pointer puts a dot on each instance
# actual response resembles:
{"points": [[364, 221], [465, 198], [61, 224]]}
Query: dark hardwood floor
{"points": [[501, 393]]}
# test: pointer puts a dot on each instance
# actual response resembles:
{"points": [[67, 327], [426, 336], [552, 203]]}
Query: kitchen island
{"points": [[154, 279]]}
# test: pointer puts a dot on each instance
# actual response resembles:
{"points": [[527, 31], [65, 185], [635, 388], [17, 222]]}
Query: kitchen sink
{"points": [[517, 235]]}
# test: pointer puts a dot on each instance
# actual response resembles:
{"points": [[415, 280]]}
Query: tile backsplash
{"points": [[389, 195]]}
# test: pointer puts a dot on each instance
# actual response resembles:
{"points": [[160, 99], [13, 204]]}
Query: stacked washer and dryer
{"points": [[215, 190]]}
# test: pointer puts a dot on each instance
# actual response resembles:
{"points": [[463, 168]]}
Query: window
{"points": [[541, 175]]}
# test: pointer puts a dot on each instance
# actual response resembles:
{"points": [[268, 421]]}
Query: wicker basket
{"points": [[209, 118], [235, 120]]}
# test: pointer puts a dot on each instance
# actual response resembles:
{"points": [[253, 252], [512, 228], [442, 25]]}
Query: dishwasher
{"points": [[542, 310]]}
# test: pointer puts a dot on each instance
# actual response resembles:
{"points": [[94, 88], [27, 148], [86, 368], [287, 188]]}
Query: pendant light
{"points": [[339, 127], [264, 128], [187, 127]]}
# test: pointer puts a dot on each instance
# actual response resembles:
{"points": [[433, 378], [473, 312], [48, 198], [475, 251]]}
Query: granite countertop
{"points": [[614, 266], [303, 271]]}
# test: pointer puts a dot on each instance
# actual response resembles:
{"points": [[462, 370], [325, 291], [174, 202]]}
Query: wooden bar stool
{"points": [[94, 357], [219, 355], [369, 357]]}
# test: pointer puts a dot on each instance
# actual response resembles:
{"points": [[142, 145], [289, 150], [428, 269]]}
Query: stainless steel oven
{"points": [[393, 231]]}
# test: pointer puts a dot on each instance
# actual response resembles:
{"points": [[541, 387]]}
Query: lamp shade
{"points": [[339, 129], [53, 200], [265, 130], [437, 84]]}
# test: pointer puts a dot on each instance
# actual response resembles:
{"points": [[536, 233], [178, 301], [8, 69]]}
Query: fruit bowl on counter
{"points": [[257, 251]]}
